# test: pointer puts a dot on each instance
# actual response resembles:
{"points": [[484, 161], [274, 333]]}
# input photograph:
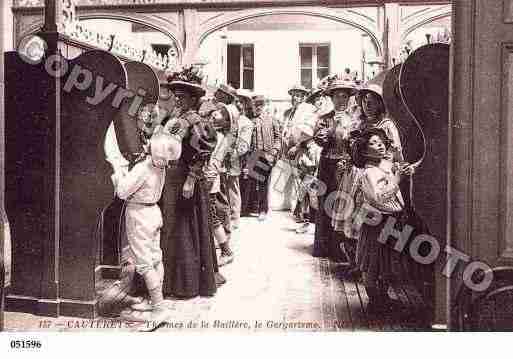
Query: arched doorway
{"points": [[302, 47], [128, 36], [137, 34]]}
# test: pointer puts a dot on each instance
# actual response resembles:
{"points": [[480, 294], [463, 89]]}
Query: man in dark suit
{"points": [[265, 150]]}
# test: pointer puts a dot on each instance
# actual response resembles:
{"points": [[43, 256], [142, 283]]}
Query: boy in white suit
{"points": [[141, 187]]}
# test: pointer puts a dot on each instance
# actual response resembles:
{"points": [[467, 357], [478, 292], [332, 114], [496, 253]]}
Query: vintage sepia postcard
{"points": [[243, 167]]}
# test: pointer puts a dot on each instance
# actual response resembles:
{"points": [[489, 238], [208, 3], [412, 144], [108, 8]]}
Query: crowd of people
{"points": [[212, 161]]}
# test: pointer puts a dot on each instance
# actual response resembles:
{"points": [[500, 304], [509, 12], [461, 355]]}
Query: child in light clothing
{"points": [[142, 188], [378, 185], [306, 160], [219, 206]]}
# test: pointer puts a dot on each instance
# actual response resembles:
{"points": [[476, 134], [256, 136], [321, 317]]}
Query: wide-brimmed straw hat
{"points": [[189, 80], [258, 100], [298, 88], [193, 88], [375, 85], [228, 90], [245, 94], [337, 84]]}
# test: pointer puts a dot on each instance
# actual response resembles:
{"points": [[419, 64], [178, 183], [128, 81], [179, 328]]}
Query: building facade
{"points": [[192, 33], [238, 43], [480, 143]]}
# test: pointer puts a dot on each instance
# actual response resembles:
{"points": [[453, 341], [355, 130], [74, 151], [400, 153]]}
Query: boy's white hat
{"points": [[163, 145]]}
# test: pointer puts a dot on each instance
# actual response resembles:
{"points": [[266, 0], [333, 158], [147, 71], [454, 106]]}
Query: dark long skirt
{"points": [[187, 243], [381, 263], [326, 243]]}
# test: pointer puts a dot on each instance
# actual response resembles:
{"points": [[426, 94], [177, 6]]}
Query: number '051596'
{"points": [[25, 344]]}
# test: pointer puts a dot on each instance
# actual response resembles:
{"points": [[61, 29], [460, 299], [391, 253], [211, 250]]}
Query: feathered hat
{"points": [[188, 79], [298, 88], [338, 82], [375, 85], [228, 90]]}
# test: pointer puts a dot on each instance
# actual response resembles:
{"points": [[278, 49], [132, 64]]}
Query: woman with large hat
{"points": [[332, 134], [187, 242], [372, 114], [319, 100]]}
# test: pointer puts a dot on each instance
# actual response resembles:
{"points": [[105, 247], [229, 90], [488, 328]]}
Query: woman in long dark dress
{"points": [[188, 248], [332, 134]]}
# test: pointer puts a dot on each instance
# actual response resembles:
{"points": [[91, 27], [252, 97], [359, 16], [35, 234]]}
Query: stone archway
{"points": [[432, 29], [203, 23], [159, 24], [27, 24], [417, 20]]}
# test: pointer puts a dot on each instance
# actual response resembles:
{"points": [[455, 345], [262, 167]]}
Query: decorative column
{"points": [[36, 229], [383, 32], [59, 15], [223, 51], [49, 292], [190, 34], [391, 32]]}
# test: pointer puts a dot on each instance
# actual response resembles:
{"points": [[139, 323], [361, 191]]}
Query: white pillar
{"points": [[383, 34], [223, 56], [190, 30], [7, 30], [392, 25]]}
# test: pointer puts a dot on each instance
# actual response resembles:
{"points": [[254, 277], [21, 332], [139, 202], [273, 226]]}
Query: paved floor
{"points": [[274, 284]]}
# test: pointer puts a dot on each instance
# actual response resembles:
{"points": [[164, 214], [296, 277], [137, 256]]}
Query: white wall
{"points": [[7, 29], [277, 55]]}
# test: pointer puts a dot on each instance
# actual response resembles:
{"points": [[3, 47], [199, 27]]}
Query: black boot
{"points": [[336, 253], [348, 246], [374, 299], [386, 302]]}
